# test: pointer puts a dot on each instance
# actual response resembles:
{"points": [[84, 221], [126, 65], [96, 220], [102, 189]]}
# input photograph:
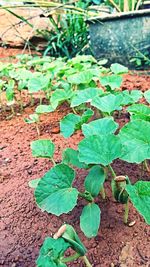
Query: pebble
{"points": [[131, 223]]}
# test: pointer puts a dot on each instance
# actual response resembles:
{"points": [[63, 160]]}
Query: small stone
{"points": [[55, 130], [131, 223]]}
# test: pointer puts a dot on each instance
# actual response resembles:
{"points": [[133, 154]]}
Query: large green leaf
{"points": [[54, 192], [73, 122], [100, 149], [51, 252], [73, 239], [59, 96], [135, 138], [42, 148], [117, 68], [84, 96], [81, 77], [101, 126], [90, 220], [130, 97], [108, 103], [94, 180], [70, 157], [139, 194], [147, 96], [111, 82], [38, 83], [139, 111]]}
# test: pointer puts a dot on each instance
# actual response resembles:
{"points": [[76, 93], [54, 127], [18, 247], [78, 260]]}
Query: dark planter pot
{"points": [[119, 37]]}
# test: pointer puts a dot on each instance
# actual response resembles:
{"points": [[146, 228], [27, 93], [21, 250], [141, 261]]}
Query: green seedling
{"points": [[52, 252], [34, 119], [10, 95]]}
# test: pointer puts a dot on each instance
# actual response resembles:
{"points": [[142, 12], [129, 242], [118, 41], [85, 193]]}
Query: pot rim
{"points": [[120, 15]]}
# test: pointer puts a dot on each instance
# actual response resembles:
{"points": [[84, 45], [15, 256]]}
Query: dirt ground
{"points": [[23, 226]]}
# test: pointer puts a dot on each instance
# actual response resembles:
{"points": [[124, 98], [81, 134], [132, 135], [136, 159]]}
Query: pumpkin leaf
{"points": [[100, 149], [135, 139], [42, 148], [70, 157], [51, 252], [139, 194], [95, 180], [90, 220], [54, 192], [100, 127], [108, 103]]}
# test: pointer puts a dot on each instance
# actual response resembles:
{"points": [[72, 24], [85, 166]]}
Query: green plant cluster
{"points": [[93, 93]]}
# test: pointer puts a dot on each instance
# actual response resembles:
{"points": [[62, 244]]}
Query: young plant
{"points": [[55, 193], [34, 118], [52, 252]]}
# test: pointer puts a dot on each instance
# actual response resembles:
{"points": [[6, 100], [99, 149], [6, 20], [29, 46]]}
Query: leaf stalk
{"points": [[126, 212], [86, 261]]}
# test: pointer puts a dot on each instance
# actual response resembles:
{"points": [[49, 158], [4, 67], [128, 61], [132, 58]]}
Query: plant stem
{"points": [[41, 99], [37, 128], [112, 171], [86, 261], [12, 110], [54, 163], [71, 258], [146, 165], [74, 111], [32, 101], [126, 212], [102, 192]]}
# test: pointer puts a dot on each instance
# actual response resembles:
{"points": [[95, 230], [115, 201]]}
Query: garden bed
{"points": [[24, 226]]}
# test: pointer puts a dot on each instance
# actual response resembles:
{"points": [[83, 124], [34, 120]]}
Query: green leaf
{"points": [[101, 126], [112, 81], [70, 157], [147, 96], [81, 58], [73, 239], [44, 109], [135, 138], [55, 193], [73, 122], [95, 180], [33, 118], [38, 83], [51, 252], [85, 117], [33, 183], [100, 149], [139, 194], [108, 103], [130, 97], [68, 124], [139, 111], [118, 68], [84, 96], [90, 220], [81, 77], [42, 148], [59, 96], [10, 90]]}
